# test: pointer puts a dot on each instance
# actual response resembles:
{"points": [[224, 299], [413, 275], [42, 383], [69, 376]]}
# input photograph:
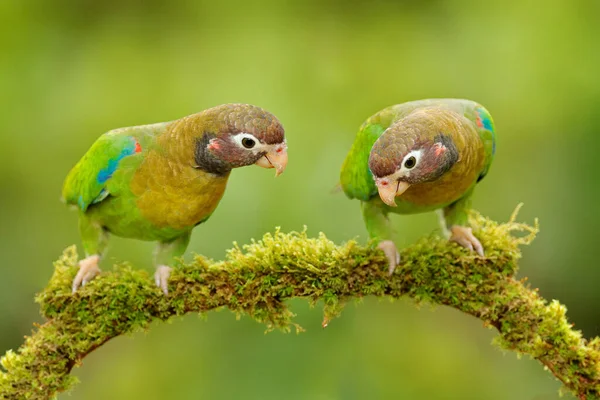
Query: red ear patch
{"points": [[439, 149], [213, 145]]}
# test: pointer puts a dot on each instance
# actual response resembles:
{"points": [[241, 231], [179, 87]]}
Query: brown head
{"points": [[236, 135], [418, 148]]}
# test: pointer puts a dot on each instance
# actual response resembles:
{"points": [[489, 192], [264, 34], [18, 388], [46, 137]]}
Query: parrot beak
{"points": [[388, 190], [276, 158]]}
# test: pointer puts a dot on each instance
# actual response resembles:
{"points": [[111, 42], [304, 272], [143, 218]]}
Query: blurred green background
{"points": [[73, 69]]}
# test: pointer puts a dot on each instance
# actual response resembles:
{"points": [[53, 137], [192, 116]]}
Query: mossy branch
{"points": [[256, 280]]}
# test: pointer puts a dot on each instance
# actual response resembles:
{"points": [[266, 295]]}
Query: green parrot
{"points": [[157, 182], [417, 157]]}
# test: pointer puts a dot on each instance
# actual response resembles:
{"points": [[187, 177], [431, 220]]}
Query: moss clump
{"points": [[256, 279]]}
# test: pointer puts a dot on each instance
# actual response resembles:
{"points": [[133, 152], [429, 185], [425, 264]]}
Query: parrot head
{"points": [[241, 135], [417, 149]]}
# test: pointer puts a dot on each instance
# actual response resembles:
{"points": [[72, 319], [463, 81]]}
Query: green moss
{"points": [[257, 278]]}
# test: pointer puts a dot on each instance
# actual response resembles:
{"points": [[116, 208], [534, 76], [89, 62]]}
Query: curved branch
{"points": [[257, 278]]}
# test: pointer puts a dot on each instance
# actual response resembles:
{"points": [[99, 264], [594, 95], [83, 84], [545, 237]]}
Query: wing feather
{"points": [[87, 183]]}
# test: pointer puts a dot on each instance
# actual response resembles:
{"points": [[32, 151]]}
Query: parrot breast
{"points": [[173, 195]]}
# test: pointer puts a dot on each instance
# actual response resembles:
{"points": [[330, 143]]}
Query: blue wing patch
{"points": [[87, 182], [487, 124], [106, 173]]}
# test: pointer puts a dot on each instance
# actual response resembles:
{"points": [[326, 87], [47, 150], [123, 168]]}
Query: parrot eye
{"points": [[410, 162], [248, 143]]}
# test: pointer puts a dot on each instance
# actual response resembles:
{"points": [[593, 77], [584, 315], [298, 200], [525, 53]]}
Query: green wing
{"points": [[355, 177], [88, 181]]}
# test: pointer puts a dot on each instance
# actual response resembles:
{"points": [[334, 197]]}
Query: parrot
{"points": [[420, 156], [157, 182]]}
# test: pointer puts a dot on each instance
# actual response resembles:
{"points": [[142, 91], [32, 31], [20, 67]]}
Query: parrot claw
{"points": [[465, 238], [389, 249], [161, 277], [88, 269]]}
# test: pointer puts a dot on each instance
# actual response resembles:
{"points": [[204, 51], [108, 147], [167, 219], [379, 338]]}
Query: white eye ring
{"points": [[416, 154], [247, 141]]}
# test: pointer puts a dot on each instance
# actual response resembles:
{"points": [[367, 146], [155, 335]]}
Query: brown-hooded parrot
{"points": [[157, 182], [417, 157]]}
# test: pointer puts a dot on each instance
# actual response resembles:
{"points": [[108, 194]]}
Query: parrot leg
{"points": [[161, 277], [378, 226], [391, 252], [165, 254], [95, 240], [464, 237], [88, 270], [456, 219]]}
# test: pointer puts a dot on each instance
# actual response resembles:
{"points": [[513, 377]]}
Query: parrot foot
{"points": [[88, 269], [161, 277], [464, 237], [389, 249]]}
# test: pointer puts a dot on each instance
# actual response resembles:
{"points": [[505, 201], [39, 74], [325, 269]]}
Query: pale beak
{"points": [[389, 192], [274, 159]]}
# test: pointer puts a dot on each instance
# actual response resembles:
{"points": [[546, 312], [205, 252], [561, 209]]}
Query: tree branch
{"points": [[257, 278]]}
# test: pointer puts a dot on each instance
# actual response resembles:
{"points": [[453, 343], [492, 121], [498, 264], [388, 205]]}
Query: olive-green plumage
{"points": [[157, 182], [437, 149]]}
